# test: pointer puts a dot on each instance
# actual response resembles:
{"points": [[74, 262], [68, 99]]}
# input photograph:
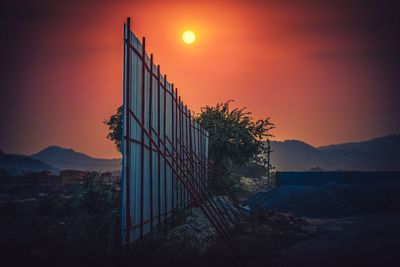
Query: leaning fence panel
{"points": [[165, 152], [158, 134]]}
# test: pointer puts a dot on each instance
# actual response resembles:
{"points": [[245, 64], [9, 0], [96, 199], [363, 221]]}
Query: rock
{"points": [[196, 236], [225, 206], [245, 209]]}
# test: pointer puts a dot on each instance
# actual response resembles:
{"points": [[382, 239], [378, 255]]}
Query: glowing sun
{"points": [[188, 37]]}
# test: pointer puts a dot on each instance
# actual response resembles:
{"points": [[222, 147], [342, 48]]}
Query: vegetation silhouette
{"points": [[235, 138]]}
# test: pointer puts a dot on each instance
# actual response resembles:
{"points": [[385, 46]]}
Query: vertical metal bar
{"points": [[181, 149], [184, 147], [165, 150], [202, 144], [176, 144], [151, 143], [187, 147], [203, 157], [197, 155], [172, 153], [199, 162], [142, 138], [127, 141], [191, 153], [199, 158], [159, 156], [268, 160]]}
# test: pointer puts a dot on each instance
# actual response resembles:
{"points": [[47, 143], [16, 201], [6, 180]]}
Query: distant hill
{"points": [[379, 154], [68, 159], [294, 155], [19, 164], [387, 143]]}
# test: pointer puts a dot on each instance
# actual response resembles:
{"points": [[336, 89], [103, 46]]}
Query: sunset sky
{"points": [[324, 71]]}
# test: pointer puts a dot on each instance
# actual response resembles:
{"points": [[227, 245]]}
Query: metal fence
{"points": [[165, 152]]}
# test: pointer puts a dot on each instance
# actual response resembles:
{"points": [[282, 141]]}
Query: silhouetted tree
{"points": [[235, 138], [114, 124]]}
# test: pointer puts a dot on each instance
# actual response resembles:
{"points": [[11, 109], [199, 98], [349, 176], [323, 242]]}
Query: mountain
{"points": [[387, 143], [293, 155], [19, 164], [379, 154], [68, 159]]}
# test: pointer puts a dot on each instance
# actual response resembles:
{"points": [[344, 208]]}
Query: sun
{"points": [[188, 37]]}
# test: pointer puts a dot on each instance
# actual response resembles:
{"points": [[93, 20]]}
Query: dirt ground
{"points": [[358, 241], [371, 240]]}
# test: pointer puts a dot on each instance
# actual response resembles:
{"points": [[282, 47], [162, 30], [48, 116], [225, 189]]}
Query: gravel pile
{"points": [[197, 235], [330, 200]]}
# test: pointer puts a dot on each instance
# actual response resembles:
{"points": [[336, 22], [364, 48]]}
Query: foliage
{"points": [[250, 169], [114, 124], [96, 197], [81, 223], [235, 138]]}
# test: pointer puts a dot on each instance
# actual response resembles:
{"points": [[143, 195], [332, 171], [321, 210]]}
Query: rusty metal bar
{"points": [[186, 145], [165, 164], [128, 133], [191, 152], [150, 144], [176, 143], [172, 155], [158, 138], [142, 139], [180, 147]]}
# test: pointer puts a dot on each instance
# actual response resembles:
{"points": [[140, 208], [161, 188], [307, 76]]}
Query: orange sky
{"points": [[320, 71]]}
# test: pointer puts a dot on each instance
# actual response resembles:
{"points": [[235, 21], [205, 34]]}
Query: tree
{"points": [[114, 124], [235, 138]]}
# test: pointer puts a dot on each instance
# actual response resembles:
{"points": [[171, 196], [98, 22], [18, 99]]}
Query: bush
{"points": [[77, 226], [235, 138], [92, 203]]}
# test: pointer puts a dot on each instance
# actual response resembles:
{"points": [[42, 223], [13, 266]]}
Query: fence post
{"points": [[150, 143], [142, 139], [126, 139]]}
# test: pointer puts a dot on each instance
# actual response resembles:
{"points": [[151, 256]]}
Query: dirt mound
{"points": [[309, 201], [330, 200]]}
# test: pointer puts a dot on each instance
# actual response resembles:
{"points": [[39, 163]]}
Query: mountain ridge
{"points": [[19, 164], [377, 154], [384, 142], [67, 158]]}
